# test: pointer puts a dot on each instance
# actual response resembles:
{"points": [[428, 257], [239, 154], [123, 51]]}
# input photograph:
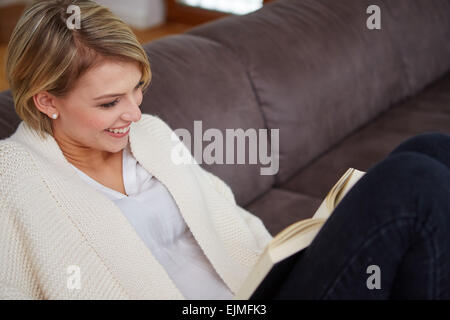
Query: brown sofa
{"points": [[340, 94]]}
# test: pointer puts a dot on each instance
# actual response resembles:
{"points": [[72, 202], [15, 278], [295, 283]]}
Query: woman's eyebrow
{"points": [[113, 94]]}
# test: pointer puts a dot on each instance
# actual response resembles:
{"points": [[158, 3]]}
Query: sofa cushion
{"points": [[197, 79], [279, 208], [9, 120], [420, 31], [318, 71], [427, 112]]}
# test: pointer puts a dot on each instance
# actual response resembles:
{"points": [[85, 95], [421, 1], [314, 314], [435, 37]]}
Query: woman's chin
{"points": [[117, 145]]}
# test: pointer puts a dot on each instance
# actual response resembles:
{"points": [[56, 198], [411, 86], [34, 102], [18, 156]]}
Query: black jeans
{"points": [[392, 226]]}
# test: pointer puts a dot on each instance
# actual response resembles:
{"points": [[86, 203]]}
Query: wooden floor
{"points": [[144, 36]]}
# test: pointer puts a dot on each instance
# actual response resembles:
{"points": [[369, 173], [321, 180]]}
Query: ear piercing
{"points": [[54, 116]]}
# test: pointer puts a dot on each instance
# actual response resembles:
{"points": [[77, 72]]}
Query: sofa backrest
{"points": [[319, 73], [420, 33], [196, 79], [310, 68], [9, 121]]}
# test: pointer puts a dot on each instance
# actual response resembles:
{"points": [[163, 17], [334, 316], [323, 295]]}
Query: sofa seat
{"points": [[279, 208]]}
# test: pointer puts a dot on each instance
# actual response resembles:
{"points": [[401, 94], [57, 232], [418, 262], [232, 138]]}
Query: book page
{"points": [[337, 193]]}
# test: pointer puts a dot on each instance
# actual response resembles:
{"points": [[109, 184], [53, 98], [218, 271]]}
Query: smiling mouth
{"points": [[119, 131]]}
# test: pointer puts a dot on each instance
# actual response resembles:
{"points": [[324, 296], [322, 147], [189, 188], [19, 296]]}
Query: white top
{"points": [[153, 213]]}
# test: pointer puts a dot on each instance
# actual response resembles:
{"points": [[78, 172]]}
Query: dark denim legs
{"points": [[396, 218]]}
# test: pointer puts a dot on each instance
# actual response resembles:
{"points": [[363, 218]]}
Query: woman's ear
{"points": [[45, 102]]}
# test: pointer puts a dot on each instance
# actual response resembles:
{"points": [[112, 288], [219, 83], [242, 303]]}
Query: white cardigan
{"points": [[151, 210], [50, 220]]}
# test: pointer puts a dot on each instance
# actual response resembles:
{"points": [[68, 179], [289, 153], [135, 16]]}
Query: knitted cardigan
{"points": [[51, 220]]}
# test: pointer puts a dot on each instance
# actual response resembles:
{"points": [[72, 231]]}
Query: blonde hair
{"points": [[44, 54]]}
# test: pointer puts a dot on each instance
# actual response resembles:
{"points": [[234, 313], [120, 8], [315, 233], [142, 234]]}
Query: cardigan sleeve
{"points": [[17, 279], [262, 236]]}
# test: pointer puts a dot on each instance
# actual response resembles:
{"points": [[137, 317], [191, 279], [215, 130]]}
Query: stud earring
{"points": [[54, 116]]}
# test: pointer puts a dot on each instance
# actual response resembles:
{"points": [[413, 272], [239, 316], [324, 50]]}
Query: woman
{"points": [[92, 214], [88, 213]]}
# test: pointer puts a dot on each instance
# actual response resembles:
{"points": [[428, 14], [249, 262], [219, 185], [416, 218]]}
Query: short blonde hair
{"points": [[44, 54]]}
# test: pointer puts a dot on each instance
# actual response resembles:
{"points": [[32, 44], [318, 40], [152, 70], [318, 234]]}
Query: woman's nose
{"points": [[133, 114]]}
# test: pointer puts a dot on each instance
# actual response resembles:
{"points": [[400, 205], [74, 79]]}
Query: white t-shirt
{"points": [[153, 213]]}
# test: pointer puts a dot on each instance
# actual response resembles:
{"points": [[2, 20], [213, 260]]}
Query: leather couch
{"points": [[342, 95]]}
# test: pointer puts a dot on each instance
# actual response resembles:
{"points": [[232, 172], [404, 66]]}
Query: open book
{"points": [[293, 239]]}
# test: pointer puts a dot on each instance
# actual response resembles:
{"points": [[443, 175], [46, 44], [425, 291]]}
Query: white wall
{"points": [[139, 14], [232, 6]]}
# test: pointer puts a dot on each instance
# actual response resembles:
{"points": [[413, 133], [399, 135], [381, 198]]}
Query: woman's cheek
{"points": [[97, 124]]}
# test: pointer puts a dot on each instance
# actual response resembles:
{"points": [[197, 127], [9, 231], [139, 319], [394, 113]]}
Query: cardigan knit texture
{"points": [[51, 222], [152, 212]]}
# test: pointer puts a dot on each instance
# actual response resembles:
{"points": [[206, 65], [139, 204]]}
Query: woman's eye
{"points": [[113, 103], [110, 104]]}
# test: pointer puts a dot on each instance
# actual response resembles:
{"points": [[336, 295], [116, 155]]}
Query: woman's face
{"points": [[107, 96]]}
